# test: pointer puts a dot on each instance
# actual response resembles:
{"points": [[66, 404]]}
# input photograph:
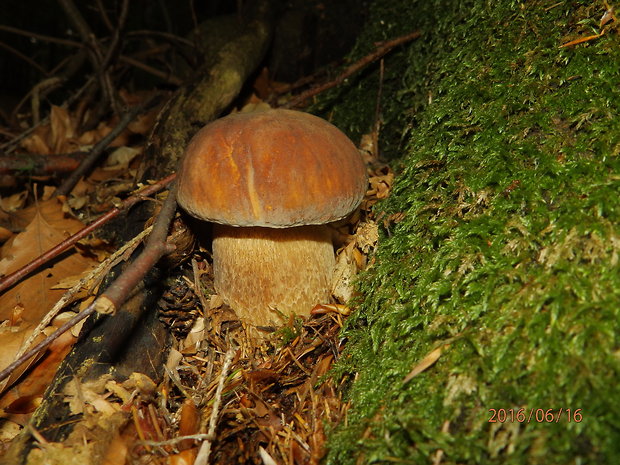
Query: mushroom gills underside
{"points": [[265, 274]]}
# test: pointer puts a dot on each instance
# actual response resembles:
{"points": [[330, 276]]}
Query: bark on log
{"points": [[134, 340]]}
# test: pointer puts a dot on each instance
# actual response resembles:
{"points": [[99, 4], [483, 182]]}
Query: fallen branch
{"points": [[117, 292], [35, 164], [14, 277], [164, 76], [34, 35], [381, 50], [28, 60], [166, 35], [42, 87], [205, 448], [156, 247]]}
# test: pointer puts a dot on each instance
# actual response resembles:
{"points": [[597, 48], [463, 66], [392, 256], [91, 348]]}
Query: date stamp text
{"points": [[536, 415]]}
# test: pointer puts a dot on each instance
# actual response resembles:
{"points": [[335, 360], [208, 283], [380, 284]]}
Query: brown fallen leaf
{"points": [[51, 210], [32, 386], [35, 295], [63, 131], [13, 202], [120, 158], [37, 141], [24, 305], [12, 337]]}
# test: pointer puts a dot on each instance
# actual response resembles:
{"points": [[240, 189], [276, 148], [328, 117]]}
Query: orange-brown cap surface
{"points": [[276, 168]]}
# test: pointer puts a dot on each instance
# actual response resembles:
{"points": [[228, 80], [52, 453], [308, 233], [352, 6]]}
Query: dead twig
{"points": [[112, 52], [6, 372], [205, 449], [104, 16], [14, 277], [35, 164], [117, 292], [381, 50], [165, 35], [98, 149], [34, 35], [167, 77], [301, 82], [43, 88], [19, 54], [45, 85]]}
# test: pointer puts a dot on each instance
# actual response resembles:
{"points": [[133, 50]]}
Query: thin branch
{"points": [[165, 35], [116, 294], [73, 63], [149, 69], [34, 35], [205, 448], [301, 82], [16, 276], [48, 84], [381, 50], [25, 58], [78, 21], [104, 16], [114, 44]]}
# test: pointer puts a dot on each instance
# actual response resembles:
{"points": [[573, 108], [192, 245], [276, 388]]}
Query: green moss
{"points": [[508, 250]]}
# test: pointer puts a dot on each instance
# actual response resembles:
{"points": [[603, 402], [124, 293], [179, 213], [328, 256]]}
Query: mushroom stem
{"points": [[261, 272]]}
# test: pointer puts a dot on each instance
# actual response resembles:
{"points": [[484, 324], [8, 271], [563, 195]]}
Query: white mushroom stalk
{"points": [[285, 271]]}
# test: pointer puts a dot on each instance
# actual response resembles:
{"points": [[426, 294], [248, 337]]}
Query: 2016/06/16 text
{"points": [[538, 415]]}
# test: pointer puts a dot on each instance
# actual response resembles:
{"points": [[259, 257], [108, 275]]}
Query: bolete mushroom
{"points": [[270, 181]]}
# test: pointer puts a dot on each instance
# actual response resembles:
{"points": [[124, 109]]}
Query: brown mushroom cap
{"points": [[277, 169]]}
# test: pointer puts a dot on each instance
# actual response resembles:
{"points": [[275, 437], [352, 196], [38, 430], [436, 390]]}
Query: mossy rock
{"points": [[506, 257]]}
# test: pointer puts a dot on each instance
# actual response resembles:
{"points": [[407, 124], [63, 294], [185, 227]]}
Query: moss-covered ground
{"points": [[507, 254]]}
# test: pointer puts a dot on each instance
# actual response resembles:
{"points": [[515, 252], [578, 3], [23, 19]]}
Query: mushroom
{"points": [[270, 182]]}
